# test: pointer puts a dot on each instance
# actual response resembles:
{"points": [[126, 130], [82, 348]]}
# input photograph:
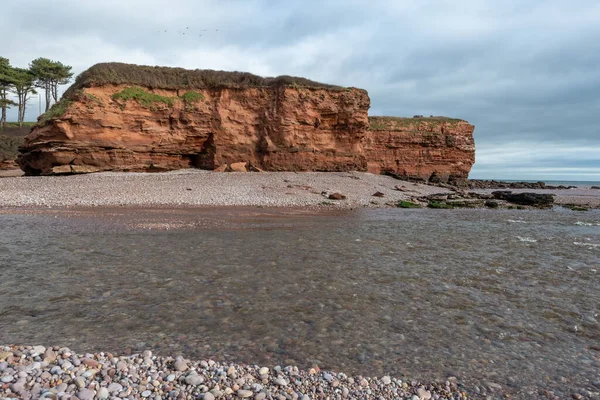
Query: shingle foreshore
{"points": [[207, 188], [32, 372]]}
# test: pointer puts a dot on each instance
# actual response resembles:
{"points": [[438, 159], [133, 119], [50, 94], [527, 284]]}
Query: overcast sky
{"points": [[526, 73]]}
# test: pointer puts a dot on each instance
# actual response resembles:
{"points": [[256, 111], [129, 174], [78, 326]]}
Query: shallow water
{"points": [[492, 297]]}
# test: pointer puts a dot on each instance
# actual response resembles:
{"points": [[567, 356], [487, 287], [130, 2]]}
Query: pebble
{"points": [[244, 393], [102, 393], [423, 394], [85, 394], [114, 388], [90, 363], [151, 377], [180, 365], [194, 380]]}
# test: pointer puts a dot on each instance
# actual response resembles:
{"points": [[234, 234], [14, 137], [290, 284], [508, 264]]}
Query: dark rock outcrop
{"points": [[525, 199]]}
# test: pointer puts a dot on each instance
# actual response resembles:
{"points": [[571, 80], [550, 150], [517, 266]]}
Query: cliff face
{"points": [[118, 117], [433, 149], [271, 128]]}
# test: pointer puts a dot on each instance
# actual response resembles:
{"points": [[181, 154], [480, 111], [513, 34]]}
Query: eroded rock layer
{"points": [[120, 117], [271, 128], [431, 148]]}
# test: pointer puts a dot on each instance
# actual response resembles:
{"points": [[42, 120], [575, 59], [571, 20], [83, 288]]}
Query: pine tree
{"points": [[23, 86], [6, 82], [49, 75]]}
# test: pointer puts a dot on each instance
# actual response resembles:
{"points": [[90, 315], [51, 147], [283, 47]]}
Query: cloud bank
{"points": [[525, 73]]}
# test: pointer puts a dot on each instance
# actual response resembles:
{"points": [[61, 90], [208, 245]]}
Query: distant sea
{"points": [[556, 183]]}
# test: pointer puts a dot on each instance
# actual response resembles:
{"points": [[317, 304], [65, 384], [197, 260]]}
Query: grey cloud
{"points": [[525, 73]]}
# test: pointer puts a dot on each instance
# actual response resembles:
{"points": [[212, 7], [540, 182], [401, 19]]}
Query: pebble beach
{"points": [[206, 188], [30, 372]]}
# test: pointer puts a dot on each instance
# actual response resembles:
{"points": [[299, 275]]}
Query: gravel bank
{"points": [[206, 188], [31, 372]]}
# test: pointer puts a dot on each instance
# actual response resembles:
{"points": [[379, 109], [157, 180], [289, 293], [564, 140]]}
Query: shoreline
{"points": [[55, 372], [198, 188]]}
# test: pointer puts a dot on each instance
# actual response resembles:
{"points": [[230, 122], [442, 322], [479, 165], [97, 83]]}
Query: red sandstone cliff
{"points": [[119, 117], [434, 148]]}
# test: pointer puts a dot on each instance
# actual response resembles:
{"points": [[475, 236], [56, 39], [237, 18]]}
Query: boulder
{"points": [[336, 196], [525, 199], [238, 167]]}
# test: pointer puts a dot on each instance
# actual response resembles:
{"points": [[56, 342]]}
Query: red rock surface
{"points": [[274, 129], [277, 127], [432, 148], [8, 165]]}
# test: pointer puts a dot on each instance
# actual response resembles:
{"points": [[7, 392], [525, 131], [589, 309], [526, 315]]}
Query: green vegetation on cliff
{"points": [[387, 123], [56, 111], [143, 97], [192, 97], [179, 78]]}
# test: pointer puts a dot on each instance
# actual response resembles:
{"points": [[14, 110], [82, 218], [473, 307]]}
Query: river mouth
{"points": [[507, 298]]}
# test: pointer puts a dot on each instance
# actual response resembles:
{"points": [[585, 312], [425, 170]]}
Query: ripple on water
{"points": [[526, 239], [420, 296], [581, 223], [588, 245]]}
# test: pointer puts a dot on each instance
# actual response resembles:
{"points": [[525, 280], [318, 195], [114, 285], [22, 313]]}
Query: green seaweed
{"points": [[439, 205], [407, 204]]}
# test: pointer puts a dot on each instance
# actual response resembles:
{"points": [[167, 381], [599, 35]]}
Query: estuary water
{"points": [[506, 301]]}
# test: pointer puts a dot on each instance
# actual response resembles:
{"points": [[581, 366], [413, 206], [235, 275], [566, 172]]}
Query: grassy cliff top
{"points": [[179, 78], [383, 123]]}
